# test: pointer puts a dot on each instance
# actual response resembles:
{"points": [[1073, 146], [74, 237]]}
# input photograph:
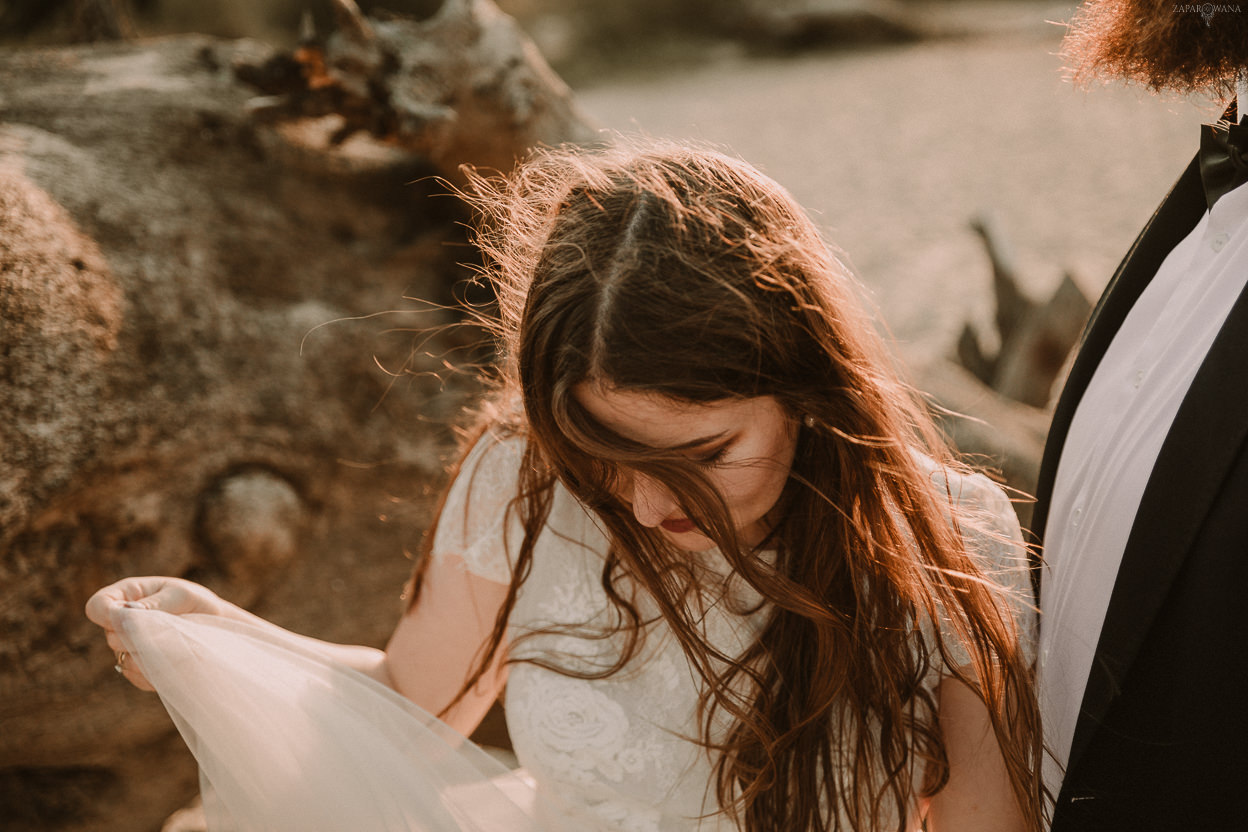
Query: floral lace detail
{"points": [[628, 817], [476, 523], [618, 746], [580, 722], [572, 602], [584, 736]]}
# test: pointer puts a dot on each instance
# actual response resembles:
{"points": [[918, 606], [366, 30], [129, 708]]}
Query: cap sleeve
{"points": [[992, 536], [478, 523]]}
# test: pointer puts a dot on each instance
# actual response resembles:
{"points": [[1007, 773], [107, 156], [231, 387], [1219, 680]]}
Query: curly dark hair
{"points": [[1166, 46]]}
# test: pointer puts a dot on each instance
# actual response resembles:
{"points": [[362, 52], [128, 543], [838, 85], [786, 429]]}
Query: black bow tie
{"points": [[1223, 166]]}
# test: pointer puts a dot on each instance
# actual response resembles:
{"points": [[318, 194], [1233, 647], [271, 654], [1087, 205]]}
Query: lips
{"points": [[681, 526]]}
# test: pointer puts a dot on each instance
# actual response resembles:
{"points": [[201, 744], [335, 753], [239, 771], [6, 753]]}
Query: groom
{"points": [[1143, 494]]}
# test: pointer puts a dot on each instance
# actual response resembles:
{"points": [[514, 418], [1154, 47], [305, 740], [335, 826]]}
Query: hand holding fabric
{"points": [[172, 595]]}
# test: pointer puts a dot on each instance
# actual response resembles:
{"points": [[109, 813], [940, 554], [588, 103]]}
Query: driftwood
{"points": [[1035, 338], [1007, 393], [462, 87]]}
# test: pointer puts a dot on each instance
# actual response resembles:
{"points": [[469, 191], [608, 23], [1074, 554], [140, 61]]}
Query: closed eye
{"points": [[713, 457]]}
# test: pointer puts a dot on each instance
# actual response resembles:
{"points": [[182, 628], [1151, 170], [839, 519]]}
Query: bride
{"points": [[712, 549]]}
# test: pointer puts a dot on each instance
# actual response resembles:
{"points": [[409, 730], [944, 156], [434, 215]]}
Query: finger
{"points": [[167, 596], [114, 641], [104, 601], [141, 590], [140, 682], [155, 593], [100, 604], [129, 669]]}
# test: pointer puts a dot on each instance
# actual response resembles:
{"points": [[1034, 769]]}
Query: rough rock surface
{"points": [[191, 384]]}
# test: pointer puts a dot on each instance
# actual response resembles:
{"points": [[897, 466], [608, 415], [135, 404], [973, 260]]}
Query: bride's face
{"points": [[745, 445]]}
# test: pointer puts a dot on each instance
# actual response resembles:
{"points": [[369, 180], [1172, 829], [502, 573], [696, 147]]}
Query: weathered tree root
{"points": [[465, 86]]}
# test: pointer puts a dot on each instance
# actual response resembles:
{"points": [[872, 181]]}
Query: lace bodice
{"points": [[617, 746]]}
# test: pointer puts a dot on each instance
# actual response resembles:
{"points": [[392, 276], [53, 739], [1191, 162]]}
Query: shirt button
{"points": [[1219, 240], [1076, 517], [1139, 378]]}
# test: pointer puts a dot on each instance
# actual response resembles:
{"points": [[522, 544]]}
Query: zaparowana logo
{"points": [[1205, 10]]}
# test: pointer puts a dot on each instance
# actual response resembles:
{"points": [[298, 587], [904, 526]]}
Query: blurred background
{"points": [[894, 123], [230, 346]]}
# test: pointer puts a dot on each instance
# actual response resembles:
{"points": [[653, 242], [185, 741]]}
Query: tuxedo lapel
{"points": [[1200, 448], [1189, 471], [1171, 222]]}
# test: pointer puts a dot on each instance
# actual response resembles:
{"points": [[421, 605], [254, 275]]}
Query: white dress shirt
{"points": [[1113, 443]]}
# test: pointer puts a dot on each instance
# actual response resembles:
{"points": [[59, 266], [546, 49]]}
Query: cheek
{"points": [[752, 490]]}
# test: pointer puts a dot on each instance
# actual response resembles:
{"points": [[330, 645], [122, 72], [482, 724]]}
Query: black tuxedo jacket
{"points": [[1162, 737]]}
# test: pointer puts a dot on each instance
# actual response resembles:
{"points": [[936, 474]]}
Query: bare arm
{"points": [[435, 645], [978, 796], [438, 642], [180, 597], [427, 660]]}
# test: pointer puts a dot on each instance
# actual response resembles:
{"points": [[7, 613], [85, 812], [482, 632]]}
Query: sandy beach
{"points": [[894, 149]]}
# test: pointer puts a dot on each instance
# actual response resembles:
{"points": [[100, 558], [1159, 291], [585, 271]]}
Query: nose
{"points": [[652, 503]]}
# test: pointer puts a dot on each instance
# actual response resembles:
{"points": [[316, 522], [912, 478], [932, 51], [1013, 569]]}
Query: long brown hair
{"points": [[683, 272]]}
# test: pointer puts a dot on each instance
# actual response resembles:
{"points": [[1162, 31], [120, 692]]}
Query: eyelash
{"points": [[712, 458]]}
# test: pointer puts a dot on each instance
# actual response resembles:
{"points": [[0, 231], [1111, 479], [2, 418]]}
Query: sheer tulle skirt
{"points": [[289, 742]]}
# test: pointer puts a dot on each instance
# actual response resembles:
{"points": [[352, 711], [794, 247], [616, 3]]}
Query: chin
{"points": [[690, 541]]}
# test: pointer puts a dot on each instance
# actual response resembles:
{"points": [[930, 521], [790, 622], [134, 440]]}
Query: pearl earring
{"points": [[808, 420]]}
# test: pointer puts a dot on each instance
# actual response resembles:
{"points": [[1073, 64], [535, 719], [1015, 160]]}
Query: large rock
{"points": [[191, 384]]}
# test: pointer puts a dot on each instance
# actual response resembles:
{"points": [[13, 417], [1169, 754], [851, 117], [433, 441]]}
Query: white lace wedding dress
{"points": [[287, 741]]}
